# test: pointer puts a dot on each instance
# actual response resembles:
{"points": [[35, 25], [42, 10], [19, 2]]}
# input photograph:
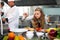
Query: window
{"points": [[23, 9]]}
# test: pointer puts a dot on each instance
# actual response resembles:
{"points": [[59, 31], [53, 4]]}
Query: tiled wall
{"points": [[52, 11]]}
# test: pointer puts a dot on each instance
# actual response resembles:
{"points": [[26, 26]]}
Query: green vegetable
{"points": [[58, 33], [5, 38]]}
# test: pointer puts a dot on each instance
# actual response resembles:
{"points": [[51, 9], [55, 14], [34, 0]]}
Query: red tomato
{"points": [[38, 29]]}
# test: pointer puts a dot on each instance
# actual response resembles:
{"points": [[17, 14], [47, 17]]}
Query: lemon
{"points": [[48, 30], [16, 38]]}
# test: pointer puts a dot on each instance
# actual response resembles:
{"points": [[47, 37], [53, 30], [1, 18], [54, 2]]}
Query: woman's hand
{"points": [[25, 15], [30, 29]]}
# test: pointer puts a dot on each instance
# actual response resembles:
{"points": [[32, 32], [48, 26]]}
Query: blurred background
{"points": [[49, 7]]}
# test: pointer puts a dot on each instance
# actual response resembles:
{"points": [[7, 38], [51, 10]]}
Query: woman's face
{"points": [[37, 14]]}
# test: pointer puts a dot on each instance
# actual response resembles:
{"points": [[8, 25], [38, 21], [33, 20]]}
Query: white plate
{"points": [[18, 30], [39, 34]]}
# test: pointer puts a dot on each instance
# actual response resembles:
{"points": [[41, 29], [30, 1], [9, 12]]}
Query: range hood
{"points": [[34, 2]]}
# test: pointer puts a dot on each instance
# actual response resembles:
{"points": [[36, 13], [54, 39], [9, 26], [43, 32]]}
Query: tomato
{"points": [[38, 29]]}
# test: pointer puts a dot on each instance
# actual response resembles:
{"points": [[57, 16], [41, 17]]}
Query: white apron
{"points": [[13, 17]]}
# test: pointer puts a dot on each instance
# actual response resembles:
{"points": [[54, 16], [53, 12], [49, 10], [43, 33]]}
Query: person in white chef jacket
{"points": [[13, 15]]}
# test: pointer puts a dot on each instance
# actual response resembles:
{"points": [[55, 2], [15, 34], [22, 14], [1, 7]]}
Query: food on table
{"points": [[38, 29], [53, 33], [5, 38], [48, 30], [10, 39], [58, 33], [16, 38], [21, 37], [11, 36]]}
